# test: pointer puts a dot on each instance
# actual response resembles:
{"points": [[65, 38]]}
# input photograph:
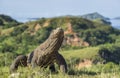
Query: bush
{"points": [[11, 24], [6, 59], [97, 36], [18, 30], [3, 37], [42, 21], [1, 22], [7, 48], [109, 67], [110, 53], [81, 24], [43, 34]]}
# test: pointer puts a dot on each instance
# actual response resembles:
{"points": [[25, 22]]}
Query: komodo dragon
{"points": [[44, 55], [47, 53]]}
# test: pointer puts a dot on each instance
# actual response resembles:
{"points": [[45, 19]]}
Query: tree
{"points": [[1, 22]]}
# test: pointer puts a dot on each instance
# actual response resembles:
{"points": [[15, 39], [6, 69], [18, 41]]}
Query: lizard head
{"points": [[55, 40], [57, 33]]}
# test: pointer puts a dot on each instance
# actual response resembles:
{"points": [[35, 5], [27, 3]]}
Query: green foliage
{"points": [[109, 67], [7, 21], [22, 41], [102, 21], [110, 53], [6, 18], [6, 59], [81, 24], [108, 70], [11, 24], [43, 34], [42, 21], [91, 32], [69, 47], [95, 71], [28, 39], [81, 53], [97, 36], [18, 30], [58, 22], [7, 48], [1, 22], [3, 37]]}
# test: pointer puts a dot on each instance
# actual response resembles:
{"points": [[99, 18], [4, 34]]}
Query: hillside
{"points": [[7, 21], [79, 32], [96, 16], [90, 47]]}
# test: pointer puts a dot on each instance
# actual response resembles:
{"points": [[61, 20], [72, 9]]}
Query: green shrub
{"points": [[6, 59], [81, 24], [18, 30], [3, 37], [97, 36], [1, 22], [43, 34], [42, 21], [7, 48], [110, 67], [111, 53]]}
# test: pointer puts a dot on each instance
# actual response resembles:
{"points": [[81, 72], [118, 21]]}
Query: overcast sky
{"points": [[50, 8]]}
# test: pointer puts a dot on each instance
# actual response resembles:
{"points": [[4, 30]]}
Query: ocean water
{"points": [[22, 20], [115, 23]]}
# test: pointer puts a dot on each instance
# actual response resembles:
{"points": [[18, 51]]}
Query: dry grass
{"points": [[109, 70]]}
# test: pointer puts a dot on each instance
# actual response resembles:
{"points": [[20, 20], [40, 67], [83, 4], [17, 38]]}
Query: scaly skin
{"points": [[61, 62], [20, 60], [44, 55], [47, 53]]}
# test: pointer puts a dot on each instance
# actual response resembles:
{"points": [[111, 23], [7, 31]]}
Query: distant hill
{"points": [[93, 16], [96, 16], [7, 21], [6, 18], [117, 18]]}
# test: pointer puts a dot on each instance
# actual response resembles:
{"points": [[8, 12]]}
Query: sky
{"points": [[50, 8]]}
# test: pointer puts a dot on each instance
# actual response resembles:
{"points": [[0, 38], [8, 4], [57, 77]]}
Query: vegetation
{"points": [[17, 38], [73, 57], [97, 16], [111, 53], [7, 21]]}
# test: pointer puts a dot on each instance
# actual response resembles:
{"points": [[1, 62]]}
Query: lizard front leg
{"points": [[61, 62], [33, 62]]}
